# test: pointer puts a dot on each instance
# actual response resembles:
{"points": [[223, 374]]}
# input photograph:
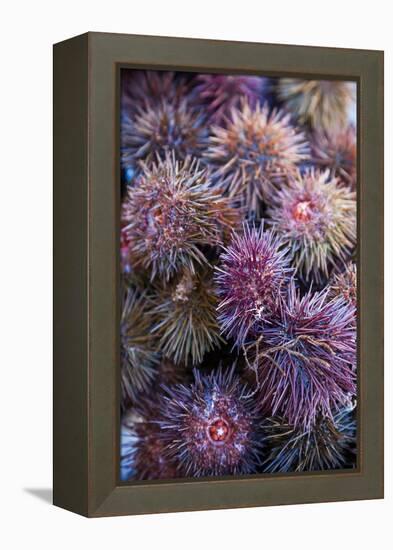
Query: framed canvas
{"points": [[218, 274]]}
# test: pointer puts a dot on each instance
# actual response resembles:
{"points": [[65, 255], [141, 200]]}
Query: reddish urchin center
{"points": [[302, 211], [218, 430]]}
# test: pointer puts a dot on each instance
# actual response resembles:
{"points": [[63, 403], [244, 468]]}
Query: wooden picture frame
{"points": [[86, 273]]}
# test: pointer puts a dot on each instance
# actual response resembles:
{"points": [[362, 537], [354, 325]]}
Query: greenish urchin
{"points": [[184, 317], [138, 355], [324, 104], [316, 219], [330, 443]]}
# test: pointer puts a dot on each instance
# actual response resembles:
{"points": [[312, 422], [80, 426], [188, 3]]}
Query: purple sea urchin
{"points": [[218, 94], [173, 211], [322, 103], [306, 357], [138, 356], [155, 131], [345, 284], [212, 427], [143, 452], [337, 152], [254, 152], [253, 271], [316, 218], [142, 88], [184, 317], [328, 444]]}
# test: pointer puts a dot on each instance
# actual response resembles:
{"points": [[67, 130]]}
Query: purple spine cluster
{"points": [[307, 356], [253, 271]]}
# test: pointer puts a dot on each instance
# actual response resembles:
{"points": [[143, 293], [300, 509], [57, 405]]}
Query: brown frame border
{"points": [[86, 273]]}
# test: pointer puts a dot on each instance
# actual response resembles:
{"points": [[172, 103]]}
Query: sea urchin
{"points": [[345, 284], [337, 152], [254, 152], [218, 93], [171, 212], [306, 356], [155, 131], [316, 218], [330, 443], [138, 356], [142, 450], [212, 427], [252, 273], [184, 317], [322, 103]]}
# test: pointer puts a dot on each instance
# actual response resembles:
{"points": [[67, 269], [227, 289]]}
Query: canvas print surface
{"points": [[238, 274]]}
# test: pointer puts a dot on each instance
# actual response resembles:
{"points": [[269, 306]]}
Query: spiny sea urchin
{"points": [[345, 284], [141, 88], [184, 317], [322, 103], [154, 131], [330, 443], [173, 211], [305, 358], [218, 93], [142, 451], [212, 427], [254, 152], [337, 152], [138, 355], [252, 273], [316, 218]]}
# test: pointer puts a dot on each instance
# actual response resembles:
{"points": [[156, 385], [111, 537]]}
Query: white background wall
{"points": [[28, 29]]}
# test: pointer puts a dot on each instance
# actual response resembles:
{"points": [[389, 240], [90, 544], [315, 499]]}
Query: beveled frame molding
{"points": [[86, 273]]}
